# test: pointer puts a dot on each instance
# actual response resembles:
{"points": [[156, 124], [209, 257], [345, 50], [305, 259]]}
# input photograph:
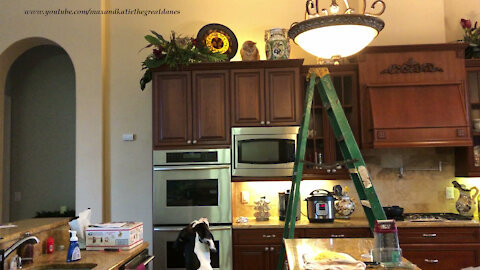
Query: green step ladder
{"points": [[353, 160]]}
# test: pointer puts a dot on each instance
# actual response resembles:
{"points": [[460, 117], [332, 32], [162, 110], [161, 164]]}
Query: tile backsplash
{"points": [[421, 188]]}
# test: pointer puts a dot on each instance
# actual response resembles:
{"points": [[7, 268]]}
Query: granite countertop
{"points": [[353, 222], [355, 247], [101, 260], [33, 226]]}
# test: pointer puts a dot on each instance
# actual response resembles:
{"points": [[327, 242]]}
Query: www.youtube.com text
{"points": [[91, 11]]}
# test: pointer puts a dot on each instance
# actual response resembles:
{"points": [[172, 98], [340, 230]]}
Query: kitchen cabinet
{"points": [[191, 109], [322, 146], [257, 249], [266, 96], [337, 233], [467, 159], [441, 247]]}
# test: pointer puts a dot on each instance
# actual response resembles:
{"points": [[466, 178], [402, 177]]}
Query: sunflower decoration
{"points": [[177, 52]]}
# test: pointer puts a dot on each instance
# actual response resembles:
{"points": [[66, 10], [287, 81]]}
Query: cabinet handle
{"points": [[262, 122], [266, 248], [268, 122], [189, 142], [431, 235], [273, 236], [431, 261], [267, 236], [337, 236], [194, 141], [272, 248]]}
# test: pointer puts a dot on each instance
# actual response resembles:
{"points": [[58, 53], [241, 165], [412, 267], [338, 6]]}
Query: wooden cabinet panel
{"points": [[171, 109], [283, 101], [250, 257], [211, 107], [257, 236], [337, 233], [453, 235], [440, 257], [248, 97]]}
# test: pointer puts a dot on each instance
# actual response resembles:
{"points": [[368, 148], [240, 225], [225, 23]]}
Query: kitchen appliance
{"points": [[187, 185], [173, 259], [283, 203], [320, 206], [263, 151], [393, 212]]}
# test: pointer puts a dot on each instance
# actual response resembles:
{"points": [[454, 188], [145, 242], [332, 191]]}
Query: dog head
{"points": [[201, 227]]}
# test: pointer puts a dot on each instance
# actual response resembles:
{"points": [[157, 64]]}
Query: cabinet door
{"points": [[338, 233], [274, 255], [250, 257], [283, 105], [172, 122], [248, 97], [211, 108], [440, 257]]}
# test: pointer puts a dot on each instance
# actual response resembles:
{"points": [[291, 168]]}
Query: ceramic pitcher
{"points": [[276, 44], [465, 203]]}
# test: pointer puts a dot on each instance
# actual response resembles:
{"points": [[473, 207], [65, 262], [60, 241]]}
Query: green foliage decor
{"points": [[178, 52]]}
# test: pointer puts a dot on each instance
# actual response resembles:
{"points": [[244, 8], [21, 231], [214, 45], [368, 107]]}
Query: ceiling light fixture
{"points": [[329, 35]]}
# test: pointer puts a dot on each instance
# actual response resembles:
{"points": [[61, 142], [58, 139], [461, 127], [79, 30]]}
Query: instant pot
{"points": [[320, 207]]}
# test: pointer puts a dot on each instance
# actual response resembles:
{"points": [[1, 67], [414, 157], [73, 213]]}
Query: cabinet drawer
{"points": [[338, 233], [432, 235], [259, 236], [442, 256]]}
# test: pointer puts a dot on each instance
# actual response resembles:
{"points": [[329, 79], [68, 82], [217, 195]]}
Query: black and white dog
{"points": [[196, 241]]}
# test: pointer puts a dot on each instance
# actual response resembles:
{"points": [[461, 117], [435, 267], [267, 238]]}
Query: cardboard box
{"points": [[121, 235]]}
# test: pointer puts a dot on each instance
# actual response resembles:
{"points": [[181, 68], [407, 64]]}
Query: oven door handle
{"points": [[177, 229], [193, 167]]}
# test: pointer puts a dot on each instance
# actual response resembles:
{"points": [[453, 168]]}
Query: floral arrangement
{"points": [[179, 51], [471, 34]]}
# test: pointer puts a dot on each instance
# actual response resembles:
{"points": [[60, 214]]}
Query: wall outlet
{"points": [[245, 197], [449, 193]]}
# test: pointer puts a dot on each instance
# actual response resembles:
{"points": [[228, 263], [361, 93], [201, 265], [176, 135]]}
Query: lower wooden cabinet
{"points": [[441, 247], [446, 256]]}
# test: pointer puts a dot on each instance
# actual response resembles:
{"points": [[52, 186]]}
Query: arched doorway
{"points": [[39, 144]]}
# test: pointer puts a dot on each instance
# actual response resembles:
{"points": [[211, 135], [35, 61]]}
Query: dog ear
{"points": [[181, 239]]}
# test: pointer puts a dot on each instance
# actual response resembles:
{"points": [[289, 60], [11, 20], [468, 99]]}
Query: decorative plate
{"points": [[218, 38]]}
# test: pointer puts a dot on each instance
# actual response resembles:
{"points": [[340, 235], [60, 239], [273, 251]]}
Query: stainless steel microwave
{"points": [[263, 151]]}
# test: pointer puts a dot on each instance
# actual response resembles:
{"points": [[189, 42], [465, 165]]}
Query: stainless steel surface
{"points": [[162, 235], [192, 167], [261, 170], [163, 214], [139, 259], [160, 156], [27, 238], [320, 206]]}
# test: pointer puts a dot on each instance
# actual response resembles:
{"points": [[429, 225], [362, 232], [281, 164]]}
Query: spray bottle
{"points": [[73, 250]]}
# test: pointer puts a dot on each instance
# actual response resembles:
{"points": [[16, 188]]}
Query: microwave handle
{"points": [[176, 168]]}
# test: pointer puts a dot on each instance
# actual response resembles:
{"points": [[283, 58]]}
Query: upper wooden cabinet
{"points": [[413, 96], [467, 159], [191, 109], [267, 96]]}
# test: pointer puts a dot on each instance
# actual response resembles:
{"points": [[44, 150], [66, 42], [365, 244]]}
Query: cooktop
{"points": [[431, 217]]}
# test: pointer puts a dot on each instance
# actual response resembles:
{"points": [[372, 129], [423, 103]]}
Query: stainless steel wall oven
{"points": [[188, 185]]}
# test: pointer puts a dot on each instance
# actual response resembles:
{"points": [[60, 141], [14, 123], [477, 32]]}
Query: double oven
{"points": [[188, 185]]}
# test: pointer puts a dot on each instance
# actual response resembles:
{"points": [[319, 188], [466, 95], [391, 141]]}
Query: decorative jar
{"points": [[277, 46]]}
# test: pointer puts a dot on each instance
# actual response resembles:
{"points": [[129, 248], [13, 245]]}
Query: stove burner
{"points": [[434, 217]]}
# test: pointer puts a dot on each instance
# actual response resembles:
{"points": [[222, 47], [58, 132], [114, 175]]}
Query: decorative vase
{"points": [[276, 44], [472, 51], [344, 207]]}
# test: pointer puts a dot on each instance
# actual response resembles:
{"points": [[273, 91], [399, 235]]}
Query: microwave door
{"points": [[185, 193]]}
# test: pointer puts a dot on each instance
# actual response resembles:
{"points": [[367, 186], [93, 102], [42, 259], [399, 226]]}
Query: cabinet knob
{"points": [[262, 122], [189, 142], [194, 141], [273, 236], [266, 248], [431, 261], [268, 122], [272, 248], [431, 235]]}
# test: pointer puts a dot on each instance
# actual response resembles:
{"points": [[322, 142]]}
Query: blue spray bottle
{"points": [[73, 250]]}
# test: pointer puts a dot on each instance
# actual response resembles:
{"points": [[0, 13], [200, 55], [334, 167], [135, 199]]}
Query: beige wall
{"points": [[127, 165], [456, 10]]}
